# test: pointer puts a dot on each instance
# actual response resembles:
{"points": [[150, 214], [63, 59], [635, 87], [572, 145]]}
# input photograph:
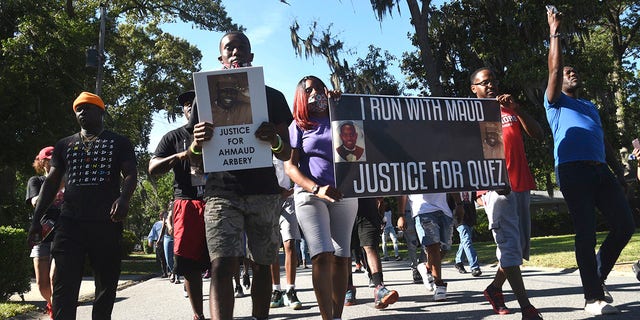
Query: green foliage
{"points": [[129, 242], [15, 265], [12, 309], [149, 199], [42, 67]]}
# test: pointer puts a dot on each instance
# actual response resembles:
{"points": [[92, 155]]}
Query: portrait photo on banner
{"points": [[351, 145]]}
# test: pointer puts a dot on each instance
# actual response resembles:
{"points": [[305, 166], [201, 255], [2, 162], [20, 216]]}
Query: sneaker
{"points": [[385, 258], [496, 299], [531, 313], [199, 317], [238, 292], [177, 280], [476, 272], [276, 299], [460, 267], [636, 269], [440, 294], [246, 281], [350, 297], [598, 307], [417, 278], [383, 297], [49, 310], [172, 279], [358, 268], [371, 284], [398, 258], [425, 273], [184, 290], [607, 296], [291, 299]]}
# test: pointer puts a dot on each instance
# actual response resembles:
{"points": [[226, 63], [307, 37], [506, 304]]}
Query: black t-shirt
{"points": [[176, 141], [253, 181], [93, 173], [33, 190], [368, 209]]}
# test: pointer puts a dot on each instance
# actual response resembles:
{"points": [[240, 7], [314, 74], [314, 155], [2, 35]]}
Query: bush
{"points": [[15, 265], [129, 241]]}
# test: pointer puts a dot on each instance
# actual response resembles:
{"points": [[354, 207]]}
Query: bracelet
{"points": [[556, 35], [197, 153], [280, 146]]}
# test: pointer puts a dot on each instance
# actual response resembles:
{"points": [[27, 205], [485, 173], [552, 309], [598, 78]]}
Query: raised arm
{"points": [[554, 83], [158, 165]]}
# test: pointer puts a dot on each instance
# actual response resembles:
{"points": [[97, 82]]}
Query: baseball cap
{"points": [[45, 153]]}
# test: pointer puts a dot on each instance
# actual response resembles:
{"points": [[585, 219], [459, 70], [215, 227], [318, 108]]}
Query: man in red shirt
{"points": [[508, 210]]}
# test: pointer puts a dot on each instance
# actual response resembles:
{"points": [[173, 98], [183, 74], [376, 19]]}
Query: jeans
{"points": [[466, 247], [586, 187], [168, 251]]}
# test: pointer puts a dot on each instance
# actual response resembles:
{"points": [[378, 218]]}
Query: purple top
{"points": [[316, 151]]}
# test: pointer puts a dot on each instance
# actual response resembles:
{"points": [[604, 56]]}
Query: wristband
{"points": [[556, 35], [197, 153], [279, 147]]}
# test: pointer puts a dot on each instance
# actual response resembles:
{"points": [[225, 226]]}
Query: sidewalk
{"points": [[556, 293]]}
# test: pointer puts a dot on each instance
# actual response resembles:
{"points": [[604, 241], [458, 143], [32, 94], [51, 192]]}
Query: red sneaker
{"points": [[496, 298]]}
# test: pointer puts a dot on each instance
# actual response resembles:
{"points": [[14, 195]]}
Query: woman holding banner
{"points": [[325, 217]]}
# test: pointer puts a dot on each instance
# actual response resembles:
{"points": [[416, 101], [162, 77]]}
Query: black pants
{"points": [[74, 240]]}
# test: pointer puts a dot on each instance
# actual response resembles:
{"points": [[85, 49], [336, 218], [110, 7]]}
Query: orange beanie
{"points": [[88, 97]]}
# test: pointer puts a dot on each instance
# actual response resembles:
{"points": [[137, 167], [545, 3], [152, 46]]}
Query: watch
{"points": [[315, 189]]}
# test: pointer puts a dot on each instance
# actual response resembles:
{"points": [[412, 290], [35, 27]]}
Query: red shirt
{"points": [[517, 165]]}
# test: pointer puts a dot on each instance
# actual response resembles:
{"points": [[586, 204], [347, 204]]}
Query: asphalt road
{"points": [[556, 293]]}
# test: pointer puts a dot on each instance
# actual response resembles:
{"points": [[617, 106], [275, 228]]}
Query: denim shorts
{"points": [[435, 227]]}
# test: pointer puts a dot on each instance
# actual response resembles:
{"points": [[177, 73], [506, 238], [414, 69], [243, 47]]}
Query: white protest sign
{"points": [[234, 100]]}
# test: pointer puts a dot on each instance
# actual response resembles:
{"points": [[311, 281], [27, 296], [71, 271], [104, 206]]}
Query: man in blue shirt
{"points": [[582, 160]]}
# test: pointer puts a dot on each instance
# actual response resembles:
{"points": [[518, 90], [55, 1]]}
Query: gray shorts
{"points": [[327, 226], [41, 250], [434, 227], [510, 222], [227, 218], [289, 229]]}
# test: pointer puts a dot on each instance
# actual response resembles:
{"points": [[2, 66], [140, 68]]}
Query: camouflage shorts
{"points": [[228, 218]]}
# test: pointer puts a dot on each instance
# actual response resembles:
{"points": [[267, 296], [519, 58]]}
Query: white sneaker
{"points": [[441, 293], [429, 284], [599, 307]]}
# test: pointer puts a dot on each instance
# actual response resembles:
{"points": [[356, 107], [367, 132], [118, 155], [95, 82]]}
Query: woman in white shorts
{"points": [[325, 217]]}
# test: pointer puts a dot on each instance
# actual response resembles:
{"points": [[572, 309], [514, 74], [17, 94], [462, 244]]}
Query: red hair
{"points": [[301, 102]]}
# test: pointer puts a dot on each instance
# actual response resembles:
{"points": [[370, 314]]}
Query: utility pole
{"points": [[103, 19]]}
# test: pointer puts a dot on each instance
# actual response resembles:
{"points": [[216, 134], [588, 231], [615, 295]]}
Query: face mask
{"points": [[235, 64], [318, 103]]}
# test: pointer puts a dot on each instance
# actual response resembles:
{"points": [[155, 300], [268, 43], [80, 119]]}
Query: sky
{"points": [[352, 21]]}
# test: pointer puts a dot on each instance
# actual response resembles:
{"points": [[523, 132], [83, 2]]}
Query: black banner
{"points": [[389, 145]]}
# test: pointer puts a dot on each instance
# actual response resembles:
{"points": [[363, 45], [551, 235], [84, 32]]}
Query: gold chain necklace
{"points": [[87, 142]]}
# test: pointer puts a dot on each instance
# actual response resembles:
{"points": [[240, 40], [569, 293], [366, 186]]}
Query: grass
{"points": [[139, 263], [555, 252]]}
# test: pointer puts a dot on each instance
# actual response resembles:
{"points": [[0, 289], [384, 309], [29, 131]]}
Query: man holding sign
{"points": [[243, 200], [508, 210]]}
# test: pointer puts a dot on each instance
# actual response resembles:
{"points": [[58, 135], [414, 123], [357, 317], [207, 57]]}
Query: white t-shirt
{"points": [[429, 202]]}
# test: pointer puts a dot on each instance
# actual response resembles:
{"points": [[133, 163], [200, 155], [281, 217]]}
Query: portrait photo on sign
{"points": [[491, 133], [230, 99], [349, 144]]}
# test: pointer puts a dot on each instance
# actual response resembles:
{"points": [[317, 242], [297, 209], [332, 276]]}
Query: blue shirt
{"points": [[577, 130]]}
